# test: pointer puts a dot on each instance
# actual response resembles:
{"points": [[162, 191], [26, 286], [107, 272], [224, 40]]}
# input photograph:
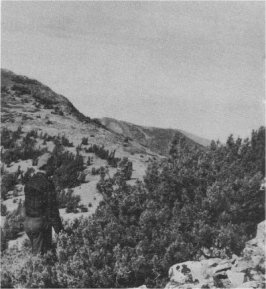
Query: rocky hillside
{"points": [[156, 139], [197, 204], [38, 118], [29, 103]]}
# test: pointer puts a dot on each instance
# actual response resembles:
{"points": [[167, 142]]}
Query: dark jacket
{"points": [[41, 201]]}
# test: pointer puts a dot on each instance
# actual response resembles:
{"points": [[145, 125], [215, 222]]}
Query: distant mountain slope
{"points": [[200, 140], [157, 139]]}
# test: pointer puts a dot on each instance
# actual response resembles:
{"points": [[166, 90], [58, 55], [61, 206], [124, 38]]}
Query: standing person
{"points": [[42, 213]]}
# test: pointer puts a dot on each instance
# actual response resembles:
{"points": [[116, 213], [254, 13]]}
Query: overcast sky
{"points": [[196, 66]]}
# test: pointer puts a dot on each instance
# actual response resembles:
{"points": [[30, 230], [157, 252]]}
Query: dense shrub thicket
{"points": [[65, 141], [125, 168], [9, 137], [8, 182], [57, 139], [24, 80], [84, 141], [3, 210], [19, 149], [14, 223], [66, 199], [43, 99], [65, 167], [198, 202], [21, 89], [104, 154]]}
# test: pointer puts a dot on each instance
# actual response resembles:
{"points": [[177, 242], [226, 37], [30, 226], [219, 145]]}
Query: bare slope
{"points": [[157, 139]]}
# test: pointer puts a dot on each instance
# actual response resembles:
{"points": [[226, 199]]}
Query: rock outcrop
{"points": [[246, 271]]}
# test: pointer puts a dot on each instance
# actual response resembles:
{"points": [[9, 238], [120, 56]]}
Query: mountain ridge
{"points": [[158, 139], [26, 99]]}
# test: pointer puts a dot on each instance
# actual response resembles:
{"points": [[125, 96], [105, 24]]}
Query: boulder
{"points": [[261, 235], [142, 287], [252, 261], [235, 278], [193, 272]]}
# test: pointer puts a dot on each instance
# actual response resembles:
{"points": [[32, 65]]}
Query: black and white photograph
{"points": [[133, 144]]}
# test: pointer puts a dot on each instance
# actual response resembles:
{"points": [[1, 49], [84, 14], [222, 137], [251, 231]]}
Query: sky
{"points": [[195, 66]]}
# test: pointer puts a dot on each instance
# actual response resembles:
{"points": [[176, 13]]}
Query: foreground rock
{"points": [[247, 271]]}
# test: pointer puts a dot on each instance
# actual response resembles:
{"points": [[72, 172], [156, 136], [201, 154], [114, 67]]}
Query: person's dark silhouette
{"points": [[41, 212]]}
